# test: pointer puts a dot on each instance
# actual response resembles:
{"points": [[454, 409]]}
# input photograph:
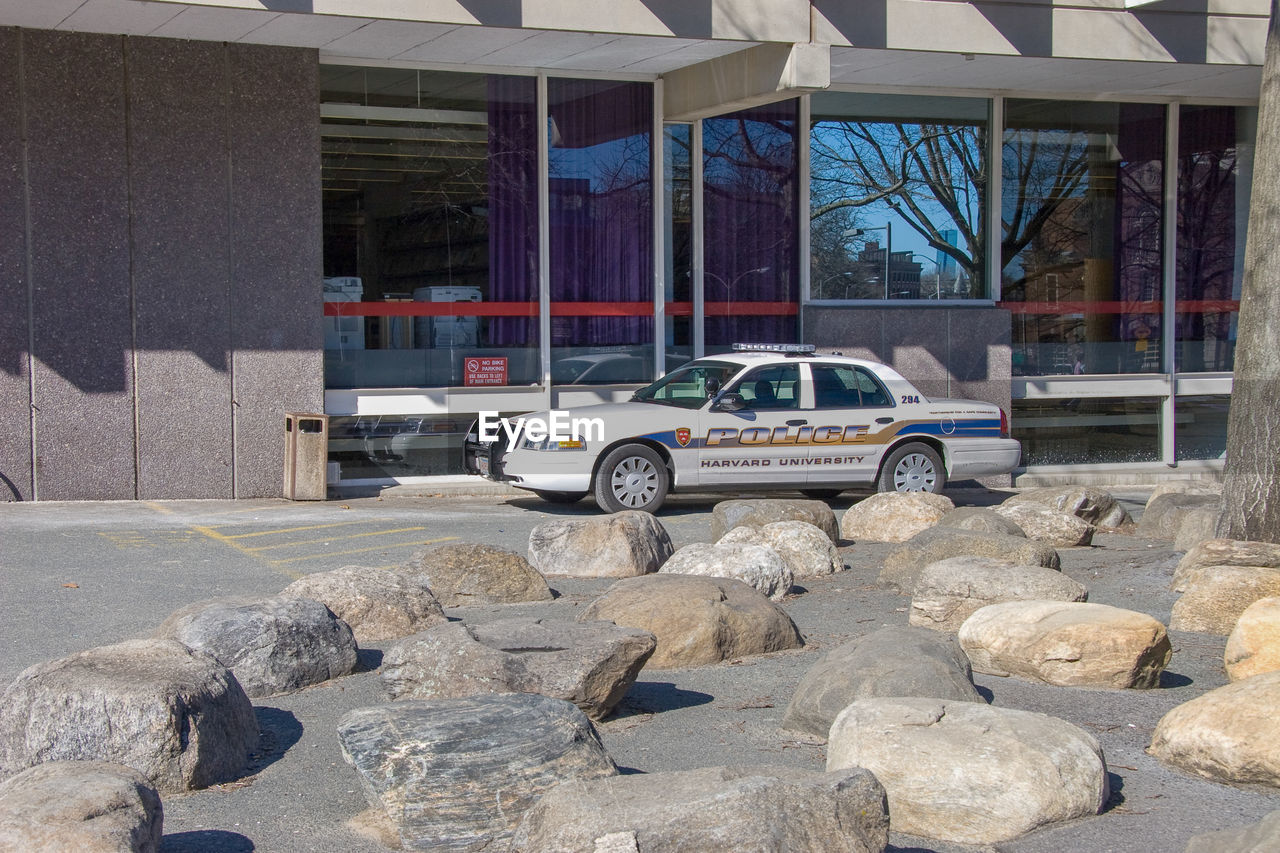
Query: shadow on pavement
{"points": [[206, 841], [277, 731], [654, 697]]}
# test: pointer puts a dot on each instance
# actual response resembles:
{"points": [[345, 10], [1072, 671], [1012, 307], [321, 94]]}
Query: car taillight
{"points": [[1004, 424]]}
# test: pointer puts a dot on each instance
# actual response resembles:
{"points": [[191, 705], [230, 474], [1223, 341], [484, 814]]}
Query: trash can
{"points": [[306, 454]]}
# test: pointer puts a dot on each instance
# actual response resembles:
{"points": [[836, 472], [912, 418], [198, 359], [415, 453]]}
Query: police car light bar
{"points": [[792, 349]]}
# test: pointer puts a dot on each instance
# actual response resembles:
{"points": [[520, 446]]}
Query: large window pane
{"points": [[678, 243], [751, 257], [1215, 170], [1081, 254], [898, 179], [601, 194], [1087, 431], [1202, 427], [430, 228]]}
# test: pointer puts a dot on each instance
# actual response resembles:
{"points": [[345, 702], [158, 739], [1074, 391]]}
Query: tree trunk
{"points": [[1251, 488]]}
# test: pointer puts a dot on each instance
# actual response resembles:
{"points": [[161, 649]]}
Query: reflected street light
{"points": [[728, 285], [887, 228]]}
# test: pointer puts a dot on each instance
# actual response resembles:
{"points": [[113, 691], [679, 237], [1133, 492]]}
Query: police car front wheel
{"points": [[912, 468], [632, 477]]}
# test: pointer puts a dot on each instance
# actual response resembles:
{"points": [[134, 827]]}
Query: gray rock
{"points": [[458, 774], [950, 591], [697, 620], [273, 645], [902, 566], [462, 574], [893, 516], [1198, 525], [711, 810], [895, 661], [173, 714], [1164, 516], [758, 566], [803, 547], [727, 515], [1260, 837], [1096, 506], [1225, 552], [591, 664], [1186, 487], [971, 773], [621, 545], [1214, 597], [1048, 525], [377, 604], [82, 806], [980, 520]]}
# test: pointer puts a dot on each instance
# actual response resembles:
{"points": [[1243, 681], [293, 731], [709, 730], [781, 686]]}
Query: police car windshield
{"points": [[686, 387]]}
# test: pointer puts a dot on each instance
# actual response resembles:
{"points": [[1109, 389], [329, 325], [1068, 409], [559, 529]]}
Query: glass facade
{"points": [[1088, 431], [677, 154], [897, 196]]}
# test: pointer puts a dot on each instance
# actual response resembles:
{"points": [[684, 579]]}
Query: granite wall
{"points": [[160, 259]]}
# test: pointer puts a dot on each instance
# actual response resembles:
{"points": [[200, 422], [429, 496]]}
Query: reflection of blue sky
{"points": [[609, 165]]}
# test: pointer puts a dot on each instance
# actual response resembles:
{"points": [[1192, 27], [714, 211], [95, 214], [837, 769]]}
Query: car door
{"points": [[756, 445], [850, 408]]}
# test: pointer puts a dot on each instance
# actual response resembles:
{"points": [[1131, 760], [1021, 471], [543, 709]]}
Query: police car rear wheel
{"points": [[561, 497], [631, 477], [912, 468]]}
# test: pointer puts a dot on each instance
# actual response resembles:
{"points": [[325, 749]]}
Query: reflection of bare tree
{"points": [[1206, 253]]}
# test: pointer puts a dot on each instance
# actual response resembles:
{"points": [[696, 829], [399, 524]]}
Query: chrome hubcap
{"points": [[634, 482], [914, 473]]}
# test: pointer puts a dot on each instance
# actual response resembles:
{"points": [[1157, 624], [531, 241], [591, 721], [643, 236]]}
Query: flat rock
{"points": [[458, 774], [803, 547], [711, 810], [967, 772], [1253, 646], [273, 645], [697, 620], [893, 516], [1046, 524], [1225, 552], [894, 661], [1096, 506], [1068, 644], [591, 664], [758, 566], [377, 604], [1164, 515], [1214, 597], [461, 574], [980, 520], [1231, 734], [902, 566], [1260, 837], [727, 515], [950, 591], [176, 715], [622, 545], [82, 806], [1186, 487], [1198, 525]]}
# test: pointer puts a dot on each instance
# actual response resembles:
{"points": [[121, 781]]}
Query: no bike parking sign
{"points": [[484, 370]]}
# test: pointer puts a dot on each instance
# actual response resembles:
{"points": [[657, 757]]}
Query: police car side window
{"points": [[774, 387], [846, 387], [873, 393]]}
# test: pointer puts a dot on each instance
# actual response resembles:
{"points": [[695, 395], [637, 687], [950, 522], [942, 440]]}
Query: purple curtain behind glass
{"points": [[601, 201], [1139, 203], [751, 254], [513, 206]]}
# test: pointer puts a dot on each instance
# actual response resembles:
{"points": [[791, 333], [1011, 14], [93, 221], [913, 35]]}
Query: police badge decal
{"points": [[683, 436]]}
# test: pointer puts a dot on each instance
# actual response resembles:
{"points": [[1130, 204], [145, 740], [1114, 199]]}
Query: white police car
{"points": [[763, 417]]}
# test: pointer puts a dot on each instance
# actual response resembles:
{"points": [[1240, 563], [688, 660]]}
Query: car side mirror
{"points": [[713, 386], [730, 403]]}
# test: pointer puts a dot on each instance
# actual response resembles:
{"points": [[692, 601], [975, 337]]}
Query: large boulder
{"points": [[697, 620], [1260, 837], [727, 515], [591, 664], [895, 661], [273, 645], [1096, 506], [377, 604], [1225, 552], [758, 566], [1198, 525], [463, 573], [902, 566], [981, 520], [176, 715], [81, 806], [1254, 644], [1046, 524], [1186, 487], [950, 591], [893, 516], [967, 772], [1231, 734], [711, 810], [1067, 643], [621, 545], [803, 547], [1215, 596], [457, 774], [1165, 515]]}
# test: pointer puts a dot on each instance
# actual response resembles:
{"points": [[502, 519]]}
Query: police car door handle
{"points": [[797, 422], [884, 420]]}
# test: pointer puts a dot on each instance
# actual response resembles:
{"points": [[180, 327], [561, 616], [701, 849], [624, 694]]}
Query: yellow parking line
{"points": [[160, 508], [334, 538], [218, 537], [360, 550], [296, 529]]}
